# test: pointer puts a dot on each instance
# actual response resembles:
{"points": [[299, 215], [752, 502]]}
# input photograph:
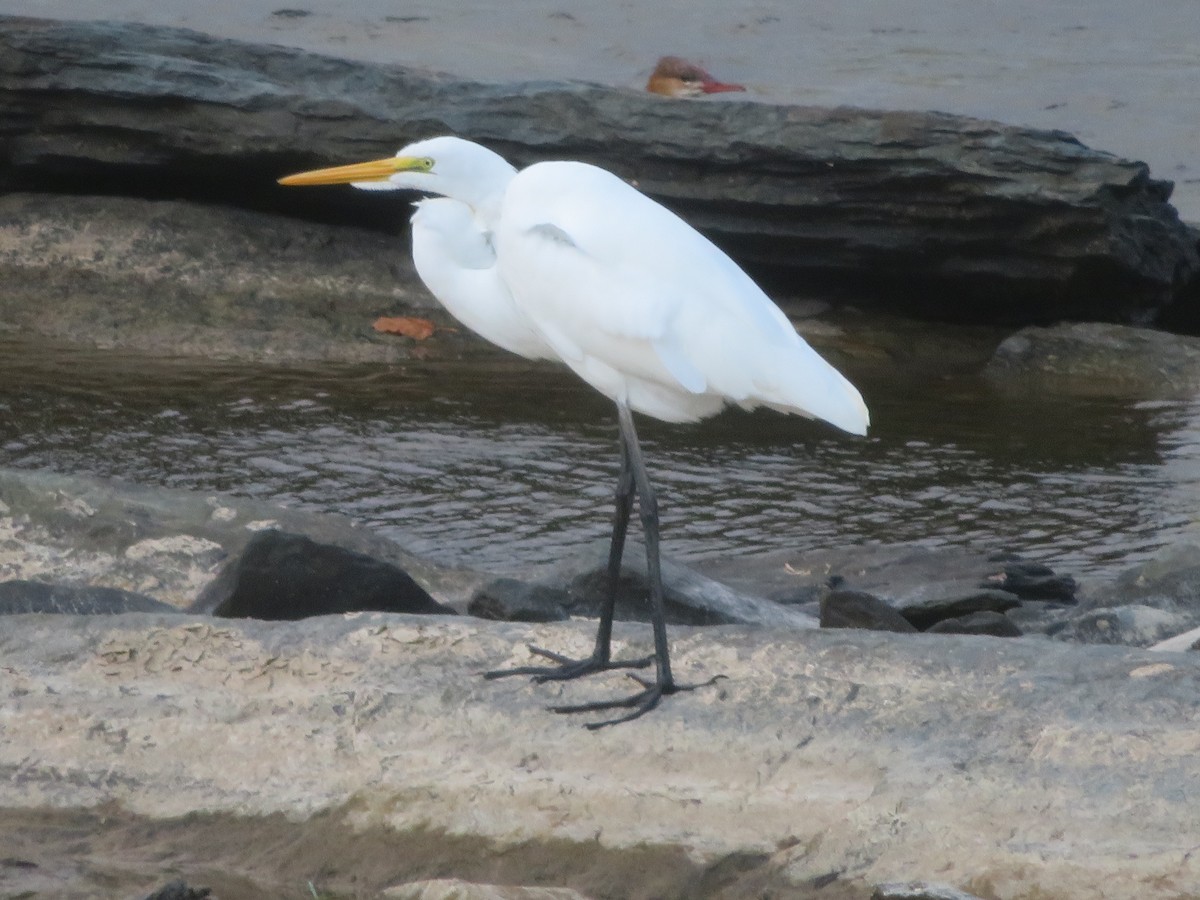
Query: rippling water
{"points": [[500, 465]]}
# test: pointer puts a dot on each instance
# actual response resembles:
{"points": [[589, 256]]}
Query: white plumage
{"points": [[655, 314], [457, 262], [564, 260]]}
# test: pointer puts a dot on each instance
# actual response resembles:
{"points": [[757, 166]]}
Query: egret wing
{"points": [[621, 286]]}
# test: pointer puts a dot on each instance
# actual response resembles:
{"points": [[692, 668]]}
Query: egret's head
{"points": [[448, 166]]}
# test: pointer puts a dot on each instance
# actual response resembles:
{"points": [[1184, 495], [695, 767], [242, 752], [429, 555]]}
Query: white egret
{"points": [[565, 260]]}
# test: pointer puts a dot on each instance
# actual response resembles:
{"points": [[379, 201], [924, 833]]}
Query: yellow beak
{"points": [[376, 170]]}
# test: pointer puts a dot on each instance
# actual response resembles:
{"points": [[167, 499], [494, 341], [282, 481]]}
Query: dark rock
{"points": [[986, 622], [509, 600], [858, 609], [1033, 581], [38, 597], [1015, 224], [924, 611], [289, 576], [179, 890]]}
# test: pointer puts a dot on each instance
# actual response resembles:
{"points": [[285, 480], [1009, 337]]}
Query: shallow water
{"points": [[497, 465]]}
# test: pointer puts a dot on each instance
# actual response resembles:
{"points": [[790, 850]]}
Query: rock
{"points": [[985, 622], [38, 597], [1150, 603], [289, 576], [578, 586], [1135, 625], [691, 598], [509, 600], [1015, 224], [919, 890], [858, 609], [1033, 581], [1094, 358], [323, 745], [71, 529], [204, 281], [179, 890], [456, 889], [1043, 617], [923, 609]]}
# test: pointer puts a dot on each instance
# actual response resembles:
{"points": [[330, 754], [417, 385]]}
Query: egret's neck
{"points": [[487, 209], [483, 190]]}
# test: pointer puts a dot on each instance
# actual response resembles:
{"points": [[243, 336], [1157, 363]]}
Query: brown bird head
{"points": [[676, 77]]}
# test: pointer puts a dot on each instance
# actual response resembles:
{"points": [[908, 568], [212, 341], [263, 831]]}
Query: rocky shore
{"points": [[904, 209], [979, 723]]}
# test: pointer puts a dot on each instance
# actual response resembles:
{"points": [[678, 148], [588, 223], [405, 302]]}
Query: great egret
{"points": [[565, 260], [675, 77]]}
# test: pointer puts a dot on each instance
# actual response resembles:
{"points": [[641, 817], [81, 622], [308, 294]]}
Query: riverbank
{"points": [[1058, 65]]}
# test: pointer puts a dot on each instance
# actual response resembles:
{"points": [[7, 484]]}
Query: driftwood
{"points": [[920, 212]]}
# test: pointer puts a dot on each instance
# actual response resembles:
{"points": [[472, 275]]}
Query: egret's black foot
{"points": [[640, 703], [568, 668]]}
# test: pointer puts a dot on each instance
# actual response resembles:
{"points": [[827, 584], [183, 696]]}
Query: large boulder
{"points": [[930, 213], [286, 576]]}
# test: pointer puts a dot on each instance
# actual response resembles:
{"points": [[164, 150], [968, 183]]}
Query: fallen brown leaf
{"points": [[406, 326]]}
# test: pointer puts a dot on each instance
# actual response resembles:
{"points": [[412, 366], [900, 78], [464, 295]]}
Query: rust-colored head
{"points": [[676, 77]]}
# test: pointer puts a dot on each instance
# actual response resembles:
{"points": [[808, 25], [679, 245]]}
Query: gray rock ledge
{"points": [[840, 758], [928, 213]]}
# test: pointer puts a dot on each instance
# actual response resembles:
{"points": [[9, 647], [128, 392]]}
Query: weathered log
{"points": [[923, 212]]}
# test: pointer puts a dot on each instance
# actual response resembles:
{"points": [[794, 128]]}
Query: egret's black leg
{"points": [[601, 658], [645, 700]]}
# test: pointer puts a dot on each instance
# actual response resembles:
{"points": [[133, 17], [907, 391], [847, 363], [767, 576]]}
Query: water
{"points": [[497, 465]]}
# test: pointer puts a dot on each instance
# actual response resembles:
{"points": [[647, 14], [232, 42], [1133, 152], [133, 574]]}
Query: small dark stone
{"points": [[509, 600], [985, 622], [288, 576], [925, 612], [825, 880], [858, 609], [1033, 581], [38, 597], [179, 890]]}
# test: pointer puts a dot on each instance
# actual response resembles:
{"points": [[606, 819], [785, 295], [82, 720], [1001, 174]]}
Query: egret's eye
{"points": [[425, 164]]}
